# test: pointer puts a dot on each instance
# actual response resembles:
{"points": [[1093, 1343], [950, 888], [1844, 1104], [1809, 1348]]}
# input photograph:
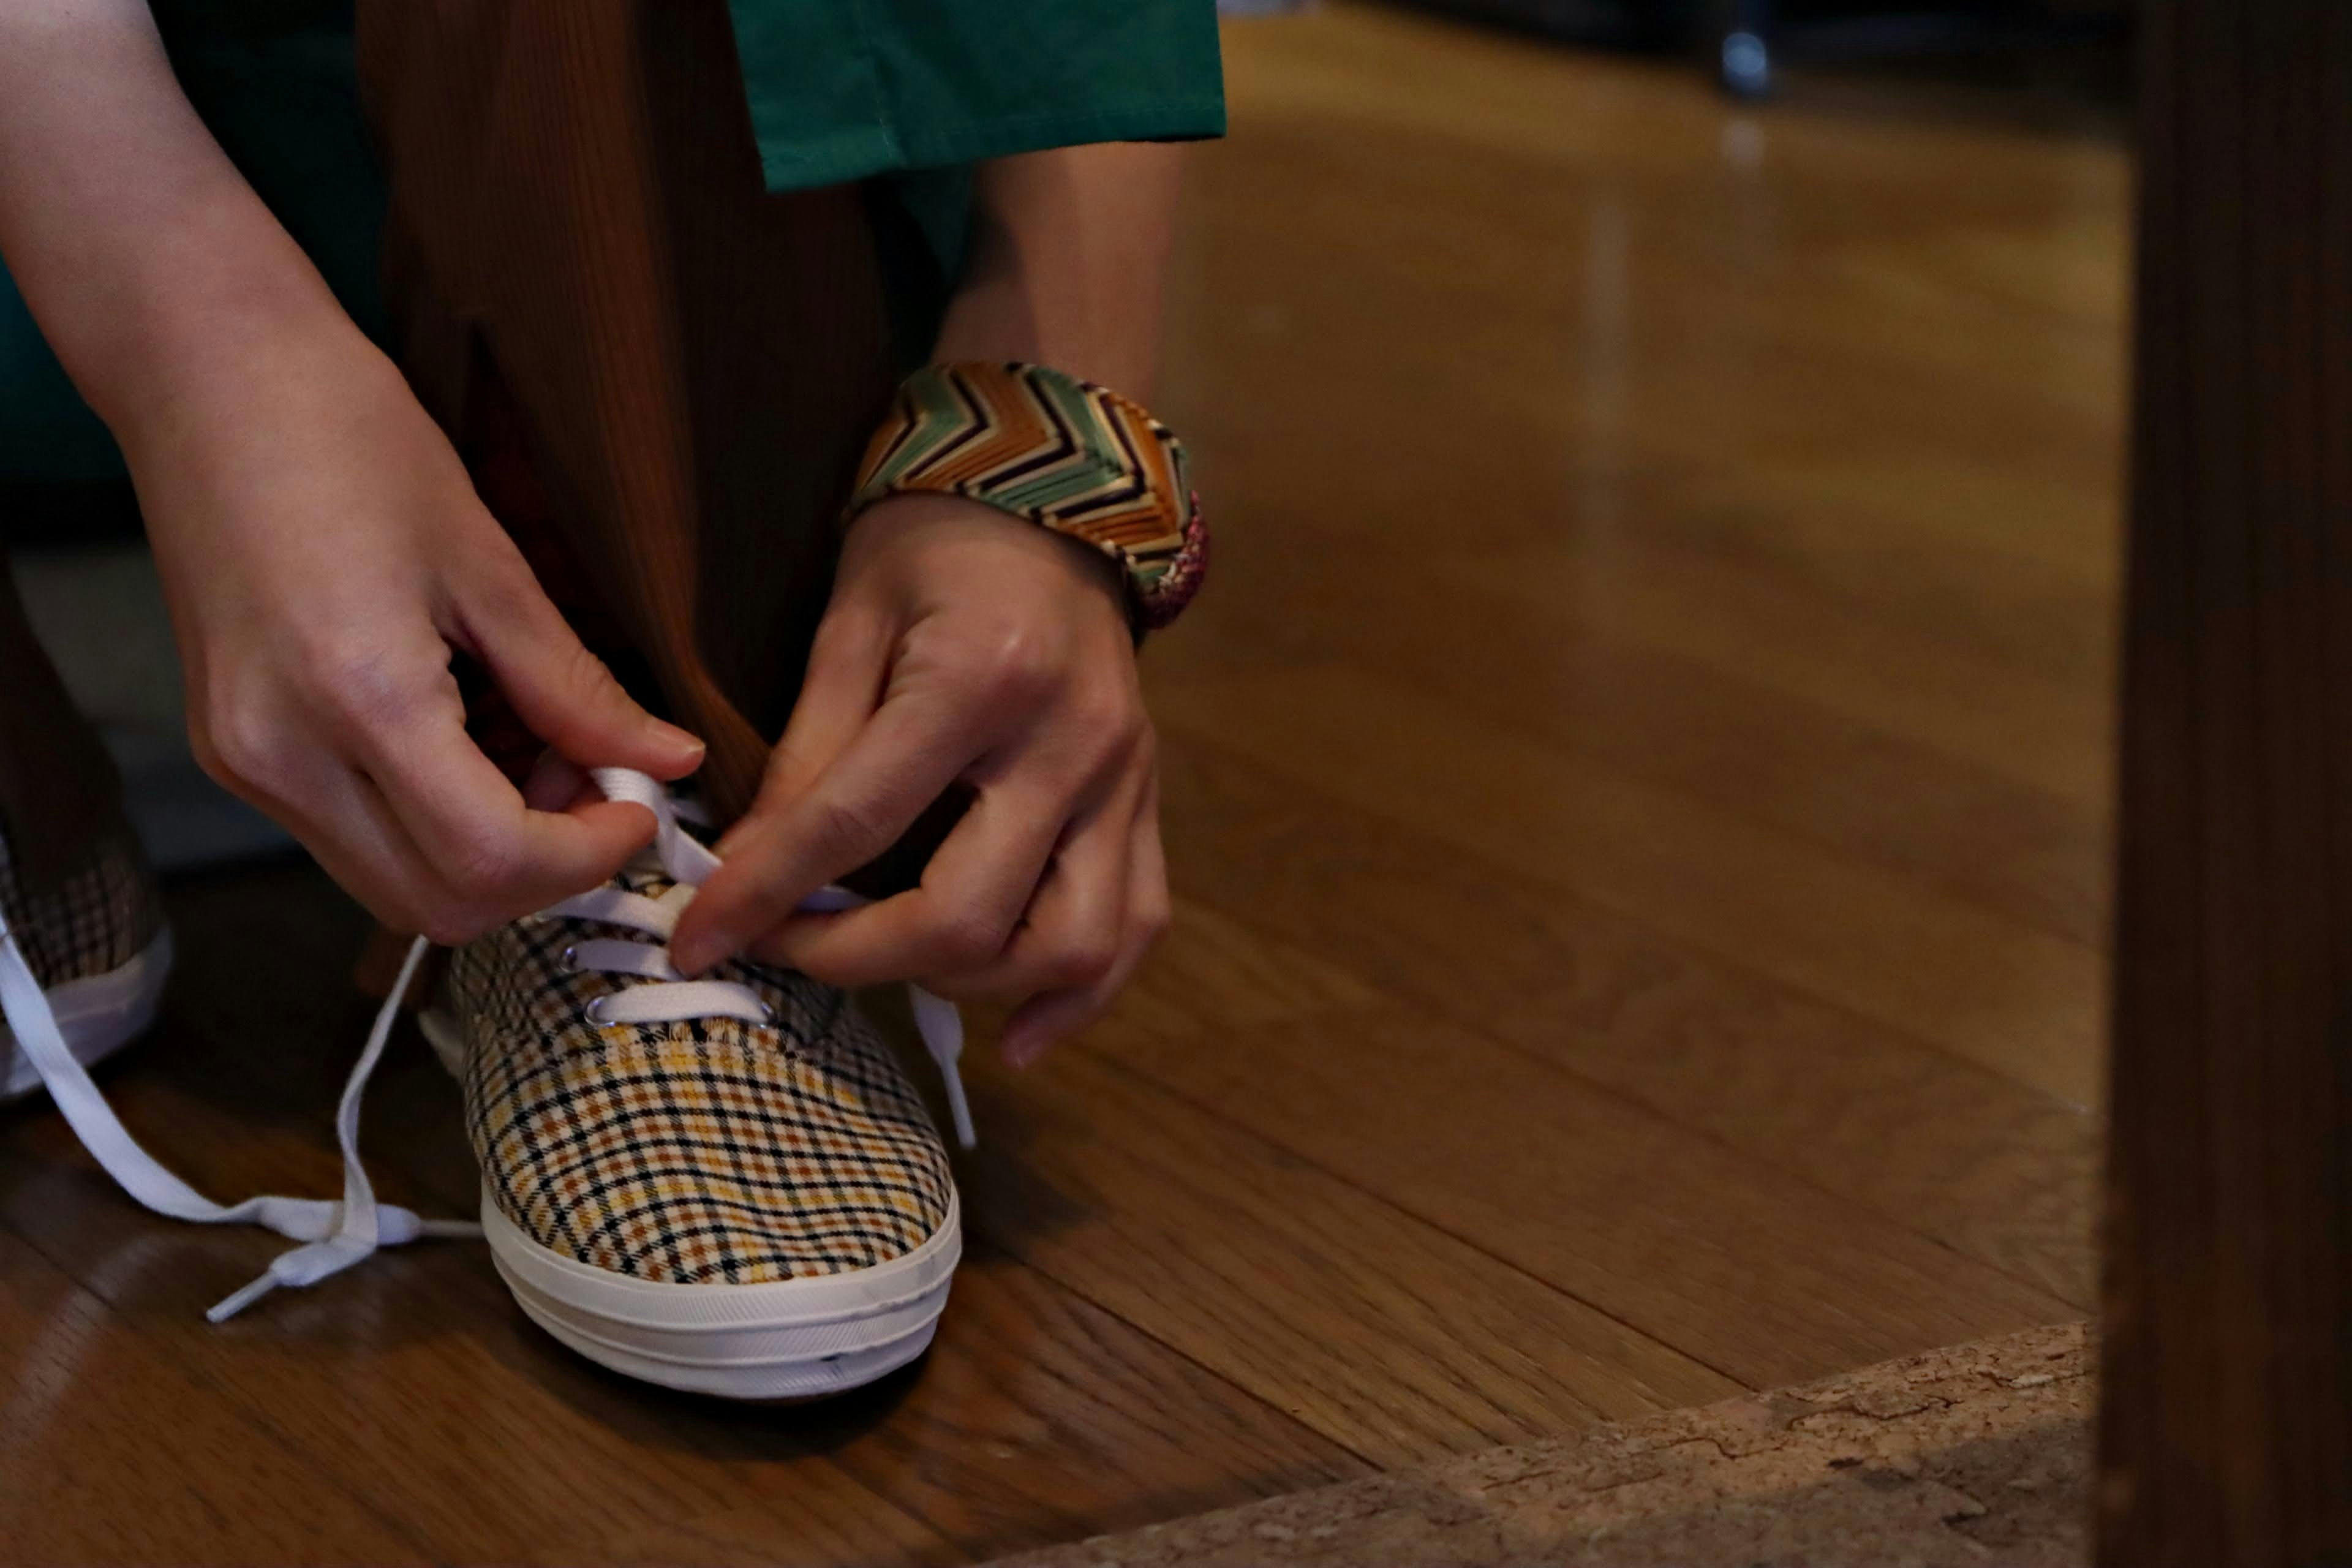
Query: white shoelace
{"points": [[337, 1235]]}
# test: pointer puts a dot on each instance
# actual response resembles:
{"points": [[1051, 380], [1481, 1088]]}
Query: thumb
{"points": [[568, 698]]}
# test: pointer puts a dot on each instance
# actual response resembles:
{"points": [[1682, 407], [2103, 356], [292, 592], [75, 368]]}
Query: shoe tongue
{"points": [[645, 876]]}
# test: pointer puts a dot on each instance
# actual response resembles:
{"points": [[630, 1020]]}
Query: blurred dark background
{"points": [[2056, 45]]}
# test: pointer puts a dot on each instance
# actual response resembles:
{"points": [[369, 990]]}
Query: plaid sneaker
{"points": [[726, 1185], [80, 970], [93, 951]]}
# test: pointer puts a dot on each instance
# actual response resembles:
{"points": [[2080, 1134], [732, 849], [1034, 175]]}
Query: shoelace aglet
{"points": [[237, 1302], [967, 1136]]}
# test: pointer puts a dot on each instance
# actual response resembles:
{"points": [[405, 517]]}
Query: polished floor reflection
{"points": [[1637, 791]]}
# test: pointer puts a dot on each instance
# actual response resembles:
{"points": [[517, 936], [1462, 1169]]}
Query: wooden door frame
{"points": [[2226, 1432]]}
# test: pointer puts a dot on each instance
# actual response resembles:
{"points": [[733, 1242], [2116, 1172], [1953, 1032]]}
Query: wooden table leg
{"points": [[2227, 1432]]}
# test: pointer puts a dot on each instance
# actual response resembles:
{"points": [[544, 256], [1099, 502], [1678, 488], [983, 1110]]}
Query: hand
{"points": [[960, 645], [323, 553]]}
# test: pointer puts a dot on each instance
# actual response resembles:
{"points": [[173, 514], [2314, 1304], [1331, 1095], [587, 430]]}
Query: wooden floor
{"points": [[1638, 793]]}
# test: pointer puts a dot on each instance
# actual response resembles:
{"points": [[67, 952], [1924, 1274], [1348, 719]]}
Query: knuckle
{"points": [[847, 829], [587, 674], [365, 688], [484, 870], [498, 584], [236, 743], [1086, 963], [1115, 726], [1015, 667], [968, 938]]}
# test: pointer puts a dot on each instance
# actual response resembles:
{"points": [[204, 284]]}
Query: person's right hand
{"points": [[323, 552]]}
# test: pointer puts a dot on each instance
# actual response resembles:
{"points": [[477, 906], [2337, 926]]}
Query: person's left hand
{"points": [[962, 645]]}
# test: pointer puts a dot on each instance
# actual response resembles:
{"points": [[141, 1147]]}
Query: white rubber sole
{"points": [[98, 1016], [790, 1339], [784, 1340]]}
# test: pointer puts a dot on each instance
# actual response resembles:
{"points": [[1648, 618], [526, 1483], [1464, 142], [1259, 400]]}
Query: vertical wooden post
{"points": [[2227, 1432]]}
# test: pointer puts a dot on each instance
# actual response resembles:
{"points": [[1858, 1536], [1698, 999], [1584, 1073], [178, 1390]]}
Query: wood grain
{"points": [[2013, 999], [1736, 1265], [93, 1418], [1700, 727], [1290, 1282], [1998, 1172]]}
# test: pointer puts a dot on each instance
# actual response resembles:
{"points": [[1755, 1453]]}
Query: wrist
{"points": [[911, 521]]}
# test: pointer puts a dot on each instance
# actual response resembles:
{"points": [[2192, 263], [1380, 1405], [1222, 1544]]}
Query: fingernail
{"points": [[1023, 1055], [670, 734]]}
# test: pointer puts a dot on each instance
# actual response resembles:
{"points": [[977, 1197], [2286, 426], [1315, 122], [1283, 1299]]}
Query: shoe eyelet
{"points": [[767, 1012], [594, 1012], [571, 959]]}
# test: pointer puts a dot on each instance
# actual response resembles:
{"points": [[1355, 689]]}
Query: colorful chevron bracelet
{"points": [[1065, 454]]}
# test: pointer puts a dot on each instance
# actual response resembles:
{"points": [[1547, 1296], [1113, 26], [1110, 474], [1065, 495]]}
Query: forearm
{"points": [[149, 263], [1068, 256]]}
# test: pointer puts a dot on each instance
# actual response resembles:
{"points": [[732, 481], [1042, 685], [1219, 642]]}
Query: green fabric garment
{"points": [[844, 88], [904, 93]]}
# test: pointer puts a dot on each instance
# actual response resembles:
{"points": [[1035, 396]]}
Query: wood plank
{"points": [[748, 1538], [2049, 735], [1999, 1172], [1748, 1270], [1751, 749], [109, 1453], [2019, 1002], [1377, 1331]]}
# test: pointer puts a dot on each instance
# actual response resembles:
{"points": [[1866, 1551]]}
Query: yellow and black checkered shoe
{"points": [[725, 1184], [94, 943]]}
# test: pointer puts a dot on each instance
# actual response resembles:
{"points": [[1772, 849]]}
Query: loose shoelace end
{"points": [[237, 1302]]}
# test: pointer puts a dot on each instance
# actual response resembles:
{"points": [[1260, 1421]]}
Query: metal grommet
{"points": [[767, 1013], [595, 1011], [571, 959]]}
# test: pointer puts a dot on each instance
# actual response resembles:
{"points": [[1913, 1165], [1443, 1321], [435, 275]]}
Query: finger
{"points": [[971, 897], [556, 783], [846, 667], [496, 858], [898, 762], [1041, 1021], [561, 691], [1074, 928], [349, 829]]}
